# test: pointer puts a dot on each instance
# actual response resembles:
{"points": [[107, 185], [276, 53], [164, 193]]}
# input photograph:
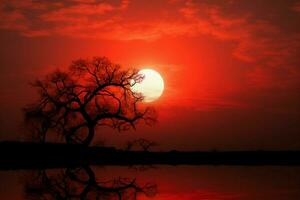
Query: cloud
{"points": [[259, 40], [271, 50], [78, 18], [296, 7]]}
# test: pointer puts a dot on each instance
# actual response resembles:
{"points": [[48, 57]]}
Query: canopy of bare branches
{"points": [[90, 93]]}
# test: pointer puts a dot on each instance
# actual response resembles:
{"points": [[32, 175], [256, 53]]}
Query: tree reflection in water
{"points": [[81, 183]]}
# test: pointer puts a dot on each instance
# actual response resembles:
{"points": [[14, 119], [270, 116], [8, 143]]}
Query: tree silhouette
{"points": [[90, 93], [140, 143], [82, 183]]}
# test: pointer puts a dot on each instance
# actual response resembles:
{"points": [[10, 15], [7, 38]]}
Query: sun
{"points": [[152, 85]]}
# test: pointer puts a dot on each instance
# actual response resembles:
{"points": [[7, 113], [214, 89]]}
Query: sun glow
{"points": [[152, 85]]}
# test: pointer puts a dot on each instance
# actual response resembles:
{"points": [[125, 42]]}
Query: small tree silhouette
{"points": [[89, 94], [140, 143]]}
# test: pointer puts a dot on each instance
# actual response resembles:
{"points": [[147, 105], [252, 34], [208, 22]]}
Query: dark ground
{"points": [[20, 155]]}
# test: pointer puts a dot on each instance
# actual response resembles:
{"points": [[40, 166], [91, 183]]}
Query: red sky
{"points": [[231, 67]]}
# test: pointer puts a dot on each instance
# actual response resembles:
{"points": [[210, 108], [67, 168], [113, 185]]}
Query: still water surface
{"points": [[154, 182]]}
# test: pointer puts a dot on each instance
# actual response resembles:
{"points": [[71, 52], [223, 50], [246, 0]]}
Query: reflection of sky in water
{"points": [[192, 182]]}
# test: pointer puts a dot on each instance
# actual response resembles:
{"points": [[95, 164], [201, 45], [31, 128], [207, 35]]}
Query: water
{"points": [[154, 182]]}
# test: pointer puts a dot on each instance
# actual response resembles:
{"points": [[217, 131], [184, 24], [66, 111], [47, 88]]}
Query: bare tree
{"points": [[140, 143], [82, 183], [90, 93]]}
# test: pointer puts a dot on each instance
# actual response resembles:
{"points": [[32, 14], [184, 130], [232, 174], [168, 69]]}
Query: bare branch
{"points": [[90, 93]]}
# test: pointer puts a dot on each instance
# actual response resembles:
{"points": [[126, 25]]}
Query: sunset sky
{"points": [[231, 67]]}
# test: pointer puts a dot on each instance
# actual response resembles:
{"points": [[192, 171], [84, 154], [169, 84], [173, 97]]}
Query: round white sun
{"points": [[151, 87]]}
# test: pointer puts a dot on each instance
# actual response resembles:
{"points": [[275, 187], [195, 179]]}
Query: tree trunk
{"points": [[88, 140]]}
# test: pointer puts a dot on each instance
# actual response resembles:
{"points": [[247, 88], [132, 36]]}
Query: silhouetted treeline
{"points": [[18, 155]]}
